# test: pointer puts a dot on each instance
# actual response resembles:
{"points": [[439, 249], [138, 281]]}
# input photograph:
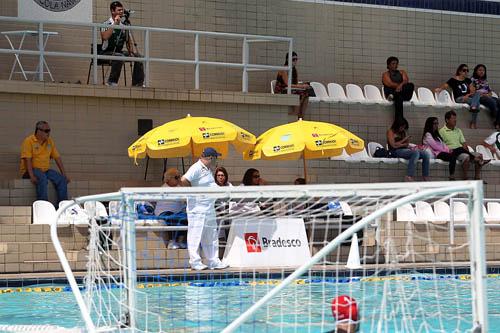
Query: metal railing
{"points": [[147, 59]]}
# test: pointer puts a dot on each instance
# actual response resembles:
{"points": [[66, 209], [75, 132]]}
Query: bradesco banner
{"points": [[266, 243]]}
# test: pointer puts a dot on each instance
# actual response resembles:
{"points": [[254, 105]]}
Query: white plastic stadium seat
{"points": [[460, 212], [493, 211], [43, 212], [355, 94], [425, 97], [442, 211], [336, 93], [424, 212], [320, 91], [372, 147], [444, 99], [273, 84], [95, 208], [406, 213], [342, 157], [72, 215], [413, 100], [373, 95], [361, 156], [487, 155]]}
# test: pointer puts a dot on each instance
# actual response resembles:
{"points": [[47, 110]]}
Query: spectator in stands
{"points": [[493, 144], [221, 177], [252, 178], [433, 142], [114, 39], [463, 91], [301, 89], [36, 152], [202, 225], [480, 83], [400, 146], [453, 137], [397, 87], [299, 181], [173, 211]]}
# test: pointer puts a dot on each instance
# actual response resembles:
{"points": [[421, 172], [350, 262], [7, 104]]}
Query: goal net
{"points": [[319, 258]]}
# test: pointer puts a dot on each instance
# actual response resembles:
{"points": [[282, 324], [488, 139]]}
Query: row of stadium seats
{"points": [[368, 157], [440, 212], [353, 94]]}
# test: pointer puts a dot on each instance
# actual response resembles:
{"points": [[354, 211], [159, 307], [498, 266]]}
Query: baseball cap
{"points": [[344, 308], [210, 152]]}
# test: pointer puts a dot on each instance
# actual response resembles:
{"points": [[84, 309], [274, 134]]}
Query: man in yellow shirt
{"points": [[36, 152]]}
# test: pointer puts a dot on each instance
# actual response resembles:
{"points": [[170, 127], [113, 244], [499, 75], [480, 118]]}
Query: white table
{"points": [[17, 61]]}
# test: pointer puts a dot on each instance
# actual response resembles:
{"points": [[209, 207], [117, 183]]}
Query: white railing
{"points": [[245, 65]]}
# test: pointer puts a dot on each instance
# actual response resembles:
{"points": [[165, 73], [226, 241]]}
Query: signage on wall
{"points": [[58, 10]]}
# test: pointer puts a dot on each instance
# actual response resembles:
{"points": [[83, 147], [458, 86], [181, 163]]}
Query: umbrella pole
{"points": [[183, 168], [164, 168], [146, 171], [305, 168]]}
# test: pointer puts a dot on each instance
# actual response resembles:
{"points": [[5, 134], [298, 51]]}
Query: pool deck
{"points": [[259, 271]]}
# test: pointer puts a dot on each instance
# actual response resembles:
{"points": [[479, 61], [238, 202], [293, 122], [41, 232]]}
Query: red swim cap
{"points": [[344, 307]]}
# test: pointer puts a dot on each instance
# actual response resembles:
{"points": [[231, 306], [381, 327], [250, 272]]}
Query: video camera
{"points": [[126, 16]]}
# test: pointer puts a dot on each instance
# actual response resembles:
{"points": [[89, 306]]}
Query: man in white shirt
{"points": [[202, 224], [493, 144]]}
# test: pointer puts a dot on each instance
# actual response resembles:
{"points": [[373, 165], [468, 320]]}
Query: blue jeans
{"points": [[493, 104], [56, 178], [413, 155], [473, 101]]}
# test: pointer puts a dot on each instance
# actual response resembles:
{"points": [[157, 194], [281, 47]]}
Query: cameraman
{"points": [[113, 40]]}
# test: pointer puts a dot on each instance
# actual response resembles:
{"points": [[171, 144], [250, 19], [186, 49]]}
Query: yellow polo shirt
{"points": [[40, 154]]}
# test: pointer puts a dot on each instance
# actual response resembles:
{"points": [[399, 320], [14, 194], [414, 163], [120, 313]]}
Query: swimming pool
{"points": [[304, 306]]}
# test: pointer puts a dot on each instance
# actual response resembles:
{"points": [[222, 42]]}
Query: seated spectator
{"points": [[221, 177], [397, 87], [299, 181], [480, 83], [176, 209], [453, 137], [493, 144], [400, 146], [433, 142], [36, 152], [463, 91], [301, 89], [252, 178]]}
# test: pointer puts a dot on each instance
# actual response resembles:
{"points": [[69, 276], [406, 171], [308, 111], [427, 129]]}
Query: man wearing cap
{"points": [[36, 152], [202, 225]]}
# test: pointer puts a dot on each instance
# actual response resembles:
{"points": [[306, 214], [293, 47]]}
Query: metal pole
{"points": [[245, 63], [130, 259], [94, 53], [452, 222], [41, 67], [477, 260], [197, 59], [290, 66], [147, 55]]}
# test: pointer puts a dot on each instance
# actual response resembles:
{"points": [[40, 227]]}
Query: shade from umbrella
{"points": [[306, 139], [189, 136]]}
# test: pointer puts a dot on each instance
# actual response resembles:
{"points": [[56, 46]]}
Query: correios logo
{"points": [[56, 5], [252, 242]]}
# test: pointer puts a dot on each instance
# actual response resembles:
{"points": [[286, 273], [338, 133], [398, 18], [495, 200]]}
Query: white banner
{"points": [[60, 10], [267, 243]]}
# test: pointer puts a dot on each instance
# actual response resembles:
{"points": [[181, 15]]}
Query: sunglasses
{"points": [[465, 70], [295, 59], [256, 176], [45, 130]]}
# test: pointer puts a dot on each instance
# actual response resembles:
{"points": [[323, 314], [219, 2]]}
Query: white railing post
{"points": [[41, 66], [128, 226], [147, 55], [94, 53], [197, 61], [478, 260], [245, 63], [290, 66]]}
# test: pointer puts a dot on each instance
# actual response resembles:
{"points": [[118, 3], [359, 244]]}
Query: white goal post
{"points": [[402, 260]]}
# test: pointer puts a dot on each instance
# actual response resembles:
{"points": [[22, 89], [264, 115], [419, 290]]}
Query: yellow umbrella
{"points": [[306, 139], [189, 136]]}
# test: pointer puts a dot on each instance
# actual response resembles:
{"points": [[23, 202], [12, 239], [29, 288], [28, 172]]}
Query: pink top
{"points": [[435, 146]]}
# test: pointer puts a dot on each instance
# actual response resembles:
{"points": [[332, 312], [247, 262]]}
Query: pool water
{"points": [[408, 306]]}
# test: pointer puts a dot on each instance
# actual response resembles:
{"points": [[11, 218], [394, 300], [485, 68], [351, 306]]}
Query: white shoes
{"points": [[218, 265], [199, 266], [172, 245]]}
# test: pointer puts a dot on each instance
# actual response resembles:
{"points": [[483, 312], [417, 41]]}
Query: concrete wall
{"points": [[335, 42]]}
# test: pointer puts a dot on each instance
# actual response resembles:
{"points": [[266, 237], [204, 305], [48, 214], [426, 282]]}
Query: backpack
{"points": [[381, 152]]}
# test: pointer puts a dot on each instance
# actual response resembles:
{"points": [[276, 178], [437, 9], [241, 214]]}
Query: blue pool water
{"points": [[198, 308]]}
